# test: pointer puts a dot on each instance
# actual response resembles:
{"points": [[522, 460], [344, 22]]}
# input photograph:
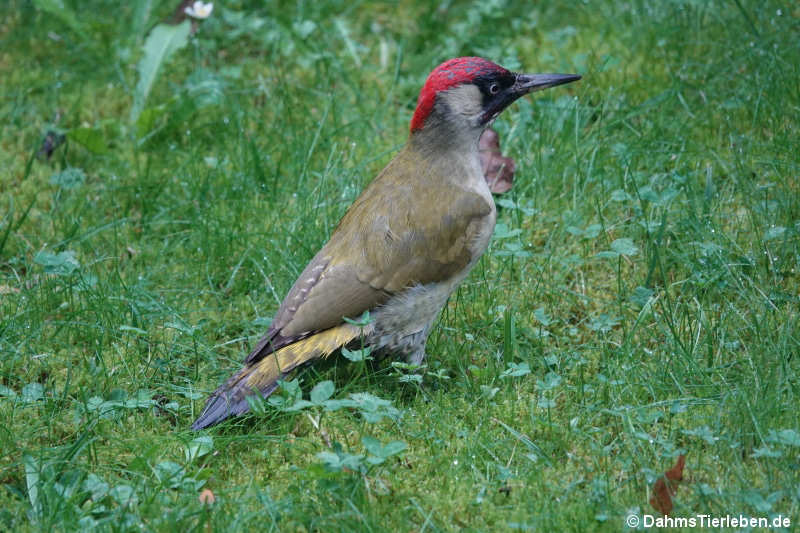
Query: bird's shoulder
{"points": [[435, 195], [417, 226]]}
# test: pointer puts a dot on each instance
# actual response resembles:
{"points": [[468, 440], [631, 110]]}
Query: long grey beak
{"points": [[528, 83]]}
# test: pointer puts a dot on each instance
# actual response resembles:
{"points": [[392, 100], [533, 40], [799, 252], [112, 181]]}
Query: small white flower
{"points": [[199, 10]]}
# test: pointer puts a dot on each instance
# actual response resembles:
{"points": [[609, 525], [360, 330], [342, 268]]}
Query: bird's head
{"points": [[465, 94]]}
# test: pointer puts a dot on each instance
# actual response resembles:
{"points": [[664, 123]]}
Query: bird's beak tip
{"points": [[528, 83]]}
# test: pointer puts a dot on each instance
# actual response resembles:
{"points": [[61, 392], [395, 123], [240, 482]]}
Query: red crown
{"points": [[447, 75]]}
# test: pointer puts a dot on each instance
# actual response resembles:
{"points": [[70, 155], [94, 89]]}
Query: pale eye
{"points": [[494, 88]]}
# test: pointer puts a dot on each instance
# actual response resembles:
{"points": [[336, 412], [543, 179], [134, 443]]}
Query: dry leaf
{"points": [[497, 168], [207, 497], [665, 486]]}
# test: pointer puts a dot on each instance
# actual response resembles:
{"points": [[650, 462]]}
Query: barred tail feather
{"points": [[262, 377]]}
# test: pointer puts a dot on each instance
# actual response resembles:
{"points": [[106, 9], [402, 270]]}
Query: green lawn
{"points": [[640, 298]]}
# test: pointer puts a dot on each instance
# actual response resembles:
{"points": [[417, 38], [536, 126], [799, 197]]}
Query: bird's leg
{"points": [[417, 356]]}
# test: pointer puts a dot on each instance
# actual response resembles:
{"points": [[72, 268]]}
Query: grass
{"points": [[639, 300]]}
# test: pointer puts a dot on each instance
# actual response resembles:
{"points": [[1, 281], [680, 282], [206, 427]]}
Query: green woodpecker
{"points": [[402, 247]]}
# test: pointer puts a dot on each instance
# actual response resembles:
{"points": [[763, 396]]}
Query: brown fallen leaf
{"points": [[665, 486], [497, 168], [207, 497]]}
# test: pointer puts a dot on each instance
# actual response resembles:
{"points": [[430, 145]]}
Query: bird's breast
{"points": [[402, 324]]}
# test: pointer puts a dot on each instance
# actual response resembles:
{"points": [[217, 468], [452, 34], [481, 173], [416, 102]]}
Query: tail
{"points": [[262, 376]]}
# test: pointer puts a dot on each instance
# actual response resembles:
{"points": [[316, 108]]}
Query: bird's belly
{"points": [[402, 324]]}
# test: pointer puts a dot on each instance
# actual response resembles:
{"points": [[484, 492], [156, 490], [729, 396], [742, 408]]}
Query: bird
{"points": [[401, 248]]}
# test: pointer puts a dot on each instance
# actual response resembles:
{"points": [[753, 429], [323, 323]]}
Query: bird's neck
{"points": [[444, 137], [447, 154]]}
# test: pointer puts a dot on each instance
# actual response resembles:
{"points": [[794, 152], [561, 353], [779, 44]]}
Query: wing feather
{"points": [[422, 238]]}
